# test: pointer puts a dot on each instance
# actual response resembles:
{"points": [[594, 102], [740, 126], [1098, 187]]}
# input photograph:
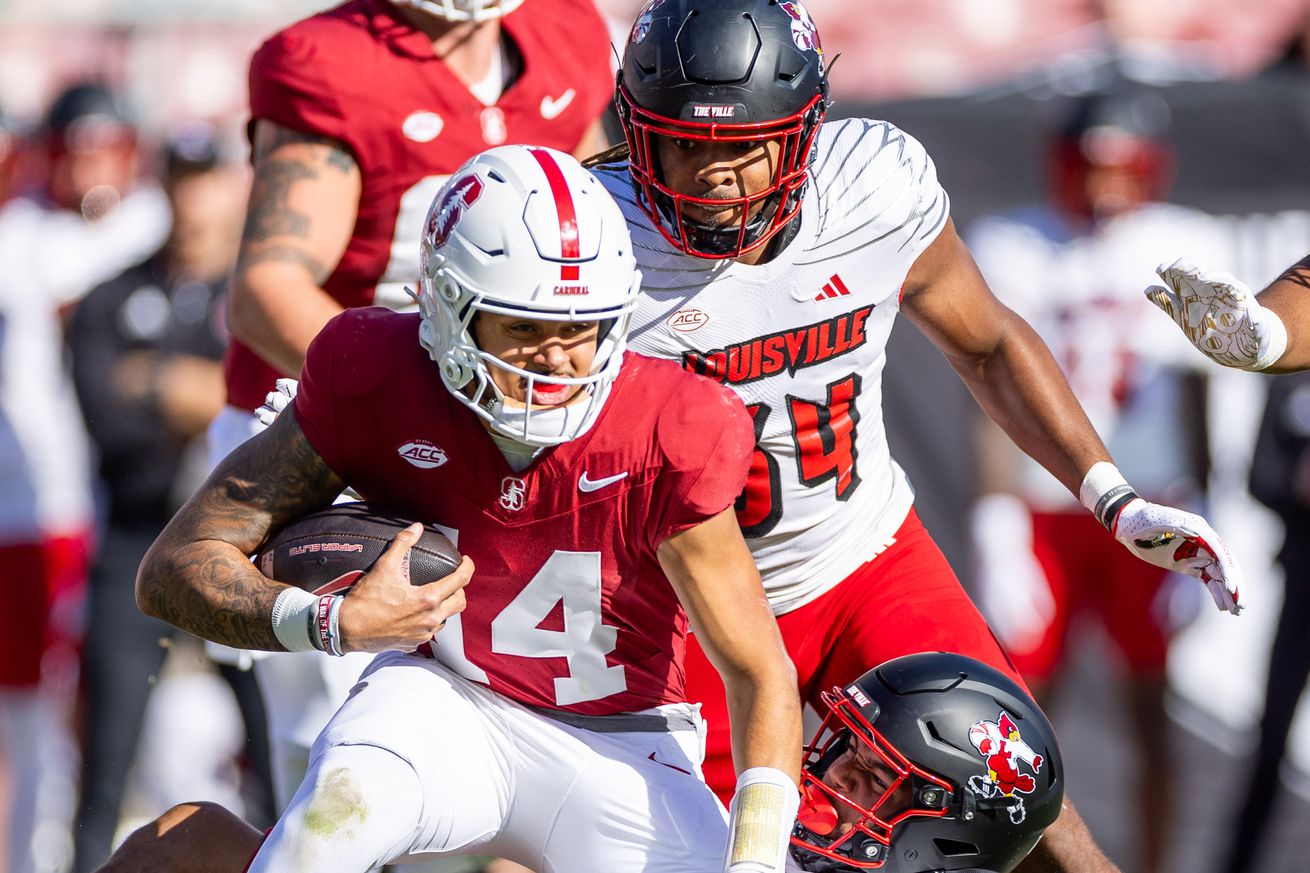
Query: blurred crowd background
{"points": [[991, 87]]}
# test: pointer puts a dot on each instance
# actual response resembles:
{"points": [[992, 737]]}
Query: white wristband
{"points": [[1105, 492], [764, 810], [293, 614], [1271, 337]]}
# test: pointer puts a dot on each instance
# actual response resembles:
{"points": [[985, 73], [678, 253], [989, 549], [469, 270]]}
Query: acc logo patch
{"points": [[803, 31], [1003, 750], [423, 454], [687, 320], [461, 196], [641, 27]]}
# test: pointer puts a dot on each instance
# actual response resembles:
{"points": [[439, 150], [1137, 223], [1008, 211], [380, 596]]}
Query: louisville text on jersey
{"points": [[789, 350]]}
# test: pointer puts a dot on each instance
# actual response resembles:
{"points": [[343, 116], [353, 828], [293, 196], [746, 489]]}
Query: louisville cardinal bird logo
{"points": [[641, 27], [461, 196], [1003, 750], [803, 31]]}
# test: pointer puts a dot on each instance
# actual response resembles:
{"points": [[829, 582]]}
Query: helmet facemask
{"points": [[764, 213], [463, 10], [449, 309], [836, 830]]}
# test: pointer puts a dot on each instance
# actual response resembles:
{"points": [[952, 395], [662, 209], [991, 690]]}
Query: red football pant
{"points": [[38, 579], [906, 600], [1089, 574]]}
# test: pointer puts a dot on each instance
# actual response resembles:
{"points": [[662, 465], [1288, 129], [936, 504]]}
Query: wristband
{"points": [[764, 808], [327, 618], [1271, 339], [1105, 492], [292, 613]]}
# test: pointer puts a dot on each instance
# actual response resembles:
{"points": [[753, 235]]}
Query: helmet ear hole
{"points": [[955, 848]]}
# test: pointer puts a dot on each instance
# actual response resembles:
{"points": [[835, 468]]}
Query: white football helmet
{"points": [[463, 10], [525, 230]]}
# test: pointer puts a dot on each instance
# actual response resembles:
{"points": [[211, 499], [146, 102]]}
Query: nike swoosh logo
{"points": [[587, 485], [670, 766], [551, 107]]}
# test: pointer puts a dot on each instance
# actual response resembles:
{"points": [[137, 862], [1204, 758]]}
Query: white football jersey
{"points": [[802, 339], [1083, 294]]}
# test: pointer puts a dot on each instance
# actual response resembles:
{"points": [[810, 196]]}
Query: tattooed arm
{"points": [[197, 576], [303, 203]]}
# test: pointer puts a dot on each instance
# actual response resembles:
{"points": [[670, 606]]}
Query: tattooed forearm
{"points": [[197, 575]]}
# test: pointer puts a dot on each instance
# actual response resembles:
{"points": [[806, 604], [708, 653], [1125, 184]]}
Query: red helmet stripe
{"points": [[568, 218]]}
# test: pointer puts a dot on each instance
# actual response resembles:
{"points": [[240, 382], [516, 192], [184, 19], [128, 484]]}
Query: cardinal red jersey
{"points": [[361, 75], [568, 607]]}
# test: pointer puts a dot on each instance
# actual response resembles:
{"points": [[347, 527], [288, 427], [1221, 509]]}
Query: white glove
{"points": [[1184, 543], [1219, 315], [276, 401], [1013, 592]]}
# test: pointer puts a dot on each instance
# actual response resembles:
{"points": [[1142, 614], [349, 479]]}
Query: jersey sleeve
{"points": [[707, 438], [316, 402], [288, 86], [880, 185]]}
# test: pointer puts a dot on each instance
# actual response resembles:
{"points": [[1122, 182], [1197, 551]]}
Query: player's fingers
{"points": [[396, 555], [452, 605], [1180, 267], [452, 581], [1165, 299]]}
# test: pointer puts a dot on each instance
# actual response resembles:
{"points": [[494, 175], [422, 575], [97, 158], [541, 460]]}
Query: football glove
{"points": [[1219, 315], [276, 401], [1182, 542]]}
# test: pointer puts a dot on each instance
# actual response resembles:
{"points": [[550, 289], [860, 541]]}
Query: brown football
{"points": [[325, 553]]}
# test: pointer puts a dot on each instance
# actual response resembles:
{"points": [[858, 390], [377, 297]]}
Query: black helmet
{"points": [[930, 762], [725, 71]]}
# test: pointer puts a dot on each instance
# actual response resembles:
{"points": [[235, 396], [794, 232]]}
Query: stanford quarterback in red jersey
{"points": [[543, 717], [359, 113]]}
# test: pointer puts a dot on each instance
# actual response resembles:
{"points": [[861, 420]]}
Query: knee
{"points": [[188, 838]]}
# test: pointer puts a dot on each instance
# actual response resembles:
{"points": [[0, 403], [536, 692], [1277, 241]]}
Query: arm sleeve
{"points": [[289, 88], [708, 446]]}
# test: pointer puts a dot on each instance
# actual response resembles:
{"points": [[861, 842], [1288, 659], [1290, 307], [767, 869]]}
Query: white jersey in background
{"points": [[802, 339], [1083, 295], [49, 258]]}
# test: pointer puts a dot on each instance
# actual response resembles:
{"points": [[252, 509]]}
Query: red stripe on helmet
{"points": [[568, 217]]}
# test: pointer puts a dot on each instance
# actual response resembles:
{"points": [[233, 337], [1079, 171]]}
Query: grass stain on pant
{"points": [[338, 803]]}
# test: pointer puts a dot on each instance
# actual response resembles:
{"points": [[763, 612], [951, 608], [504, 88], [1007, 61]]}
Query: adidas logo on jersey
{"points": [[835, 287]]}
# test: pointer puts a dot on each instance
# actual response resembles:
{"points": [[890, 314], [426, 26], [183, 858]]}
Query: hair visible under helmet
{"points": [[975, 775], [463, 10], [525, 231], [722, 71]]}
